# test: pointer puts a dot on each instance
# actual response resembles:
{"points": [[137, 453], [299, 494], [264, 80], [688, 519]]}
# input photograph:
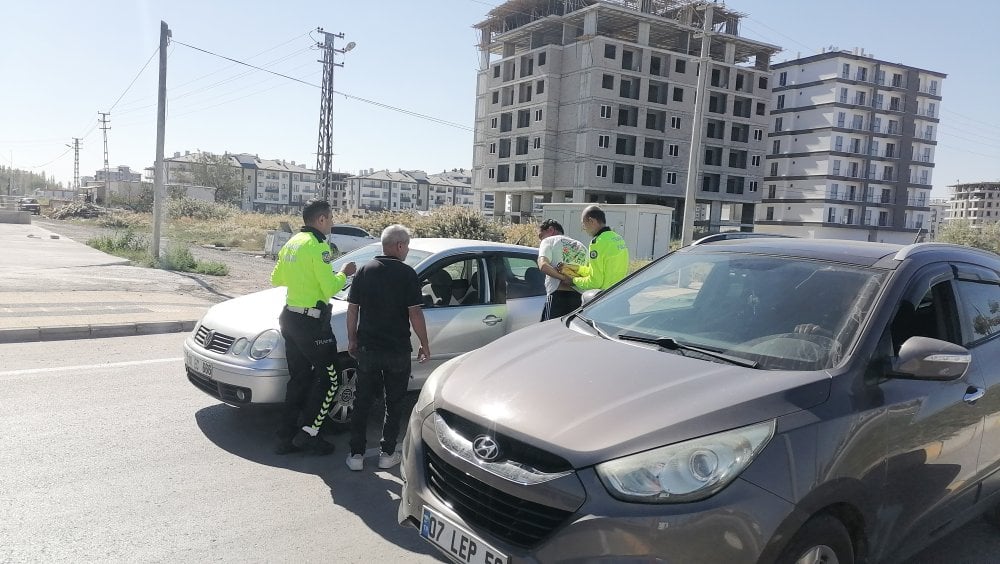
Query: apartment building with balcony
{"points": [[975, 202], [588, 101], [382, 190], [851, 148]]}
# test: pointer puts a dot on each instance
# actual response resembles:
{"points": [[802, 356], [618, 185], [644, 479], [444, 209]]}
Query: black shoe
{"points": [[312, 445], [285, 447]]}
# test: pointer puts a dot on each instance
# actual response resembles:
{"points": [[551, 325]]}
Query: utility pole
{"points": [[161, 118], [107, 174], [76, 162], [691, 190], [324, 147]]}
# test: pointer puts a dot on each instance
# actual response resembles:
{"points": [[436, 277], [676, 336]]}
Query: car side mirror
{"points": [[588, 296], [923, 358]]}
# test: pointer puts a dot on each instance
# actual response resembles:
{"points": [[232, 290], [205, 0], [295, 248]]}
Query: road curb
{"points": [[95, 331]]}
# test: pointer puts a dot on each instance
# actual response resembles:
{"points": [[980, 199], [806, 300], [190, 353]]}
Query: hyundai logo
{"points": [[485, 448]]}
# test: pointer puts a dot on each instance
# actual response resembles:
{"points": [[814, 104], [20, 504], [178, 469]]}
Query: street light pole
{"points": [[691, 189]]}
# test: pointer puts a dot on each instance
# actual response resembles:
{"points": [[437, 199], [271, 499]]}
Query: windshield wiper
{"points": [[673, 345], [593, 325]]}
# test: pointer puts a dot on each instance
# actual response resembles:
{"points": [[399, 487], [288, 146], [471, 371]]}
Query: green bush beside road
{"points": [[133, 246]]}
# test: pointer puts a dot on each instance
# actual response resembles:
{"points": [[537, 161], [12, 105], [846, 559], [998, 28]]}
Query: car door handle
{"points": [[973, 394], [492, 320]]}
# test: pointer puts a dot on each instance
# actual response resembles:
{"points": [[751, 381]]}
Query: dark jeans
{"points": [[389, 371], [560, 302], [313, 369]]}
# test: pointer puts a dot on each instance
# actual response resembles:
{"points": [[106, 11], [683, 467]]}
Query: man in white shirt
{"points": [[558, 255]]}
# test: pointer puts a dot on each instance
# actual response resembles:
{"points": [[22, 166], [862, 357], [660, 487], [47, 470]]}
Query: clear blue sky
{"points": [[63, 61]]}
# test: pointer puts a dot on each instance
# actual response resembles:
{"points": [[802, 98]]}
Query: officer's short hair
{"points": [[315, 208], [553, 224], [597, 213], [394, 234]]}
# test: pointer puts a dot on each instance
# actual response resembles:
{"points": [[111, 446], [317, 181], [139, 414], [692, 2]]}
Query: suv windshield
{"points": [[366, 254], [782, 313]]}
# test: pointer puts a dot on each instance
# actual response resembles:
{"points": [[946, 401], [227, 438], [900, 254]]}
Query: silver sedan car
{"points": [[474, 293]]}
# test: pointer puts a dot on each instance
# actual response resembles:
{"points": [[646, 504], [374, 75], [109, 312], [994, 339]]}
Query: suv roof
{"points": [[729, 235]]}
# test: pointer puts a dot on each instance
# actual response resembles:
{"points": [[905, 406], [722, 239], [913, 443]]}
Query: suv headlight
{"points": [[686, 471], [263, 344], [429, 390]]}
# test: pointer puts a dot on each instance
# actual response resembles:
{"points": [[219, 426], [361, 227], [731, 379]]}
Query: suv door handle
{"points": [[492, 320], [973, 394]]}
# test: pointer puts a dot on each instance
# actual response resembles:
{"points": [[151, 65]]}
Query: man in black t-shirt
{"points": [[385, 300]]}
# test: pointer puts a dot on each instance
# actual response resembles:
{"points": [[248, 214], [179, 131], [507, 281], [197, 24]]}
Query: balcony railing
{"points": [[917, 202]]}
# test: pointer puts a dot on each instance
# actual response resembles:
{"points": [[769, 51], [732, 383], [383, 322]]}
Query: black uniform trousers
{"points": [[561, 302], [390, 372], [313, 368]]}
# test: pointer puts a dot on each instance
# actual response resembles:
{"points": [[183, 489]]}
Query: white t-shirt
{"points": [[561, 249]]}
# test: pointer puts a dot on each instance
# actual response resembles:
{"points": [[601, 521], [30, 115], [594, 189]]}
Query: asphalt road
{"points": [[109, 454]]}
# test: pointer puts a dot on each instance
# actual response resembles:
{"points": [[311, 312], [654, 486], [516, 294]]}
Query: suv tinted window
{"points": [[981, 308]]}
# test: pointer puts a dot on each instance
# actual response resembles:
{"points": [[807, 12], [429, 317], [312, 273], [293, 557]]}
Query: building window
{"points": [[504, 148], [605, 111], [846, 72], [541, 58], [602, 171], [781, 101], [493, 123], [496, 71], [538, 115], [776, 147], [783, 79], [674, 150], [675, 122], [761, 108], [680, 65], [503, 173], [769, 216], [678, 94], [778, 122], [671, 178], [521, 147], [609, 51], [537, 143], [608, 82], [772, 191], [762, 83], [758, 134], [604, 141], [774, 169], [534, 170], [493, 148], [831, 215], [654, 66], [493, 173], [540, 87], [753, 186], [755, 160], [496, 97], [624, 174], [523, 118]]}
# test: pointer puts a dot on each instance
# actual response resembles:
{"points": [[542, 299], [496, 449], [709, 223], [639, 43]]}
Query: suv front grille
{"points": [[215, 342], [517, 521]]}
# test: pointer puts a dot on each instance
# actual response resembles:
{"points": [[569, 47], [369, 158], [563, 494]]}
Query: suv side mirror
{"points": [[923, 358], [588, 296]]}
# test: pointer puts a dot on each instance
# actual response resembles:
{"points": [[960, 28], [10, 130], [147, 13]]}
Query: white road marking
{"points": [[87, 366]]}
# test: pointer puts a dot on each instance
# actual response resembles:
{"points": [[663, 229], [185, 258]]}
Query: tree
{"points": [[217, 172], [962, 232]]}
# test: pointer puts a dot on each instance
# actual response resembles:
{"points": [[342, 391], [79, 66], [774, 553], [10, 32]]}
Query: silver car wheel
{"points": [[818, 555], [343, 402]]}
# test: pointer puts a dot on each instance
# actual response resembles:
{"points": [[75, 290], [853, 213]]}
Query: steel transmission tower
{"points": [[324, 147], [107, 173], [76, 163]]}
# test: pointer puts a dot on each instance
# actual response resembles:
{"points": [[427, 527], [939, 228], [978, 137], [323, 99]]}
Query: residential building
{"points": [[851, 149], [594, 102], [407, 190], [939, 214], [975, 202]]}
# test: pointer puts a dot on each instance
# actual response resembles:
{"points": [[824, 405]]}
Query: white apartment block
{"points": [[407, 190], [594, 102], [851, 152], [939, 214], [975, 202]]}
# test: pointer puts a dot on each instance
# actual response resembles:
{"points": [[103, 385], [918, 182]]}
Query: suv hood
{"points": [[589, 399]]}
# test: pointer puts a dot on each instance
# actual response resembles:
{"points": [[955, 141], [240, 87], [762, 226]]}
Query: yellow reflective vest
{"points": [[608, 263], [304, 267]]}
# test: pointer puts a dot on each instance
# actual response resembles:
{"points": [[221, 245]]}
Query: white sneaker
{"points": [[386, 461], [356, 462]]}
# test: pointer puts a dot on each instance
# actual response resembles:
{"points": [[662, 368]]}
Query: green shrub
{"points": [[178, 258], [126, 244], [521, 234], [212, 268], [198, 209]]}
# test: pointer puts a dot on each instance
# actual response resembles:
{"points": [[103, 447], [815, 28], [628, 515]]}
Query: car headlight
{"points": [[429, 390], [239, 346], [686, 471], [263, 344]]}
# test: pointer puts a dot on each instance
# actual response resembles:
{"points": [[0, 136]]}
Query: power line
{"points": [[137, 75]]}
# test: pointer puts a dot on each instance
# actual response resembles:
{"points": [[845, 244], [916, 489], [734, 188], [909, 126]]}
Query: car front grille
{"points": [[219, 390], [215, 342], [513, 449], [517, 521]]}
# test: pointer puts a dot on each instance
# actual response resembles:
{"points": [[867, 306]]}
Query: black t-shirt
{"points": [[385, 288]]}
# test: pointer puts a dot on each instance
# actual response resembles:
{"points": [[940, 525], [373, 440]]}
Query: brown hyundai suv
{"points": [[757, 400]]}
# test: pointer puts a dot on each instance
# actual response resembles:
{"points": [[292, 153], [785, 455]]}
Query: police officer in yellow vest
{"points": [[608, 262], [311, 350]]}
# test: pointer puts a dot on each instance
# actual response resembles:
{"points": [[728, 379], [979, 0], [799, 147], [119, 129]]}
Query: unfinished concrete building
{"points": [[594, 101]]}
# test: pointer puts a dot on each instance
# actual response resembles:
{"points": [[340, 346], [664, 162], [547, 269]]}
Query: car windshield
{"points": [[367, 253], [781, 313]]}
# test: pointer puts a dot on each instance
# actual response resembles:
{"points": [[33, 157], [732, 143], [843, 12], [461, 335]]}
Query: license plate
{"points": [[203, 367], [456, 542]]}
